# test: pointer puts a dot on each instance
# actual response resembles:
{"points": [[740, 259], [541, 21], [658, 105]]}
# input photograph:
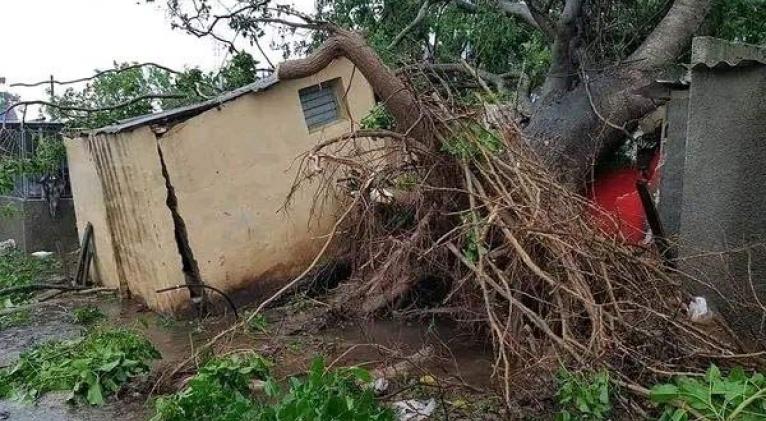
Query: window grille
{"points": [[320, 104]]}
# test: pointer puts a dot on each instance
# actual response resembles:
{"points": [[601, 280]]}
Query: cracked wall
{"points": [[229, 170]]}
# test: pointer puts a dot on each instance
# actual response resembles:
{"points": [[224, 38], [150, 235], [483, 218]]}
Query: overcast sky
{"points": [[71, 38]]}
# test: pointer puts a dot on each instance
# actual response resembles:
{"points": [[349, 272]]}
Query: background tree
{"points": [[588, 60]]}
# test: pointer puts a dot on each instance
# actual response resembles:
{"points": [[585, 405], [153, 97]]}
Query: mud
{"points": [[461, 360]]}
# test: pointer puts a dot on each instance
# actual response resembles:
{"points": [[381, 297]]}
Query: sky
{"points": [[70, 38]]}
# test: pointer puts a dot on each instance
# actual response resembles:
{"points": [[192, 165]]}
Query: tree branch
{"points": [[672, 35], [499, 80], [96, 75], [94, 110], [510, 8], [422, 13], [562, 68]]}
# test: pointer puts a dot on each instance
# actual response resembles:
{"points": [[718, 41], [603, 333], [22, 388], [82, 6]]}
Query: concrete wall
{"points": [[673, 156], [133, 229], [231, 168], [724, 191], [31, 225]]}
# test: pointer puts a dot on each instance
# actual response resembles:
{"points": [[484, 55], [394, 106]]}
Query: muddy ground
{"points": [[459, 377]]}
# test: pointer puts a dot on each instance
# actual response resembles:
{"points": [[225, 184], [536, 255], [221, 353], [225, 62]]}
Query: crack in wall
{"points": [[190, 267]]}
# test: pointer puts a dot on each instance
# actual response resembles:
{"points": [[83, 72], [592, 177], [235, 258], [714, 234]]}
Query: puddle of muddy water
{"points": [[460, 357]]}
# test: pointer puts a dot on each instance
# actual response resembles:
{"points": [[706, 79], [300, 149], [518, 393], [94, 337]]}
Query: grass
{"points": [[91, 368], [221, 391], [18, 269], [17, 318], [88, 315]]}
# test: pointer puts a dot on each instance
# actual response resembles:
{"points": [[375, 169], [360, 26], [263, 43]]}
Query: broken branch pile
{"points": [[472, 205]]}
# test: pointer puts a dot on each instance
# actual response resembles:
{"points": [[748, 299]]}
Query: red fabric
{"points": [[619, 210]]}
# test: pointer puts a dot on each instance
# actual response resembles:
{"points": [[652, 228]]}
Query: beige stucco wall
{"points": [[231, 168], [133, 228]]}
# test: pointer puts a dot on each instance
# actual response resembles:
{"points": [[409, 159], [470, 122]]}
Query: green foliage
{"points": [[583, 396], [220, 391], [378, 118], [739, 20], [110, 89], [49, 154], [16, 318], [257, 323], [92, 367], [88, 315], [735, 397], [326, 395], [471, 141], [18, 268]]}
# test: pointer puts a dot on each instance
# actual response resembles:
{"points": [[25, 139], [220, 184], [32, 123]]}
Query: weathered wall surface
{"points": [[232, 169], [724, 190], [674, 155], [144, 255]]}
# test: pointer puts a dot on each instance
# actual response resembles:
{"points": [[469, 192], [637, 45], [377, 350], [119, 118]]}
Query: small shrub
{"points": [[92, 367], [378, 118], [88, 315], [735, 397], [219, 391], [326, 395], [583, 396], [18, 269]]}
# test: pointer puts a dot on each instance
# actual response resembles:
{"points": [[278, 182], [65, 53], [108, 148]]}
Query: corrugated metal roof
{"points": [[718, 53], [183, 113]]}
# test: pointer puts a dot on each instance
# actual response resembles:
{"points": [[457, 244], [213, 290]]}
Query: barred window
{"points": [[320, 104]]}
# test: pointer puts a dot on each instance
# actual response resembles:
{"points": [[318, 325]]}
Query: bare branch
{"points": [[96, 75], [499, 80], [672, 35], [510, 8], [94, 110], [422, 13]]}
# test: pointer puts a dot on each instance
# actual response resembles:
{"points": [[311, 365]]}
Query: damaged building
{"points": [[196, 194]]}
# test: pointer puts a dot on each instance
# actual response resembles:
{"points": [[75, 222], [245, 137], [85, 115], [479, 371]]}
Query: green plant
{"points": [[378, 118], [257, 323], [219, 391], [87, 315], [91, 367], [326, 395], [13, 319], [583, 396], [18, 268], [472, 141], [735, 397]]}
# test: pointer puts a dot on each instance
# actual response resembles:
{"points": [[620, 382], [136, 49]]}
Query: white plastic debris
{"points": [[7, 245], [698, 310], [414, 410], [381, 196], [380, 385], [42, 254]]}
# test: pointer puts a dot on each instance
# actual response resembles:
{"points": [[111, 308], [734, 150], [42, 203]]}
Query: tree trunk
{"points": [[398, 99]]}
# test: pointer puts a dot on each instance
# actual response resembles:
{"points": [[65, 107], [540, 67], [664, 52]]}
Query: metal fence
{"points": [[19, 140]]}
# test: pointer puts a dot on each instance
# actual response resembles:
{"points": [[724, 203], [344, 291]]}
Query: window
{"points": [[320, 104]]}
